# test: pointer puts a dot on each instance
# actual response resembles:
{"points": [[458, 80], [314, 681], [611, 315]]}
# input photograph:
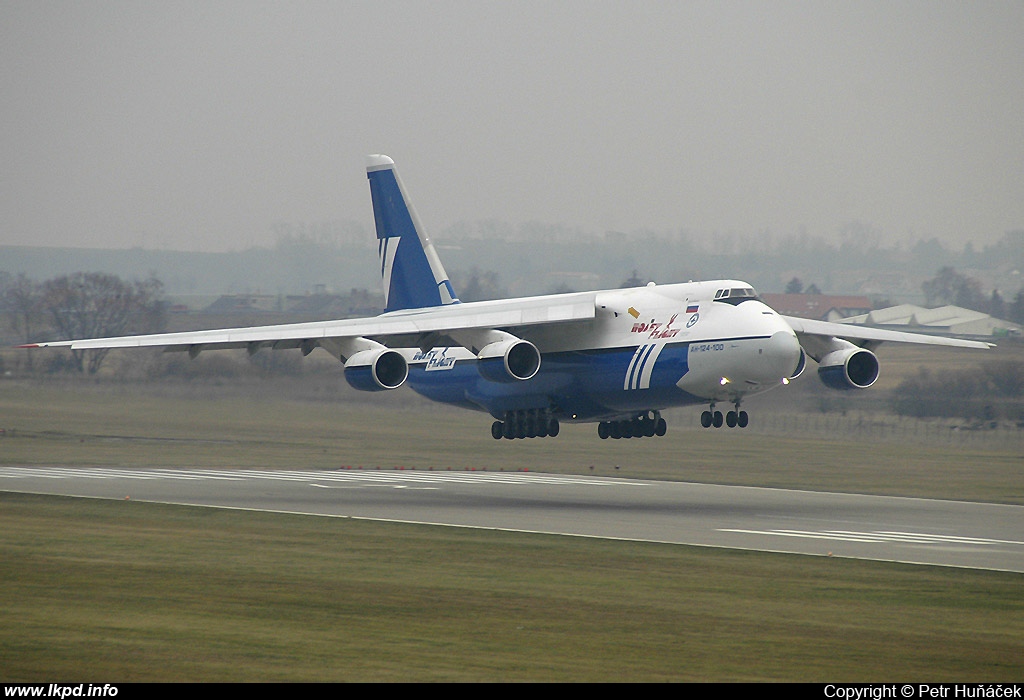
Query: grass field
{"points": [[120, 591], [169, 426]]}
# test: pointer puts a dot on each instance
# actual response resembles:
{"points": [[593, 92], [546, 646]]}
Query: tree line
{"points": [[991, 392], [951, 287]]}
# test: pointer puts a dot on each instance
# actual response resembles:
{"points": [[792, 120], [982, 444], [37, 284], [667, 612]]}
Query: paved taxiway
{"points": [[948, 533]]}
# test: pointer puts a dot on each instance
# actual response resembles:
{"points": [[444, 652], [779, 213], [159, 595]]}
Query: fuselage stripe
{"points": [[628, 382], [638, 375], [648, 368]]}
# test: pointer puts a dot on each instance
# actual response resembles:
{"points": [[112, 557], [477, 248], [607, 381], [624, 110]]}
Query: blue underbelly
{"points": [[582, 385]]}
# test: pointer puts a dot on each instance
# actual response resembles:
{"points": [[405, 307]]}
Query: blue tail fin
{"points": [[412, 273]]}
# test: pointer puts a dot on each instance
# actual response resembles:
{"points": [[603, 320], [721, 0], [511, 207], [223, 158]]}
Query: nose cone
{"points": [[783, 354]]}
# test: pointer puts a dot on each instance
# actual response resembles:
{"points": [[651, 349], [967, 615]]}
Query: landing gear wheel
{"points": [[661, 428], [730, 419], [602, 431], [705, 419], [530, 427], [744, 419], [497, 430], [717, 419], [553, 427]]}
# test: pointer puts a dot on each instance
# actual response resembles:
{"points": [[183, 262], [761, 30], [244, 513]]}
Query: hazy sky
{"points": [[199, 125]]}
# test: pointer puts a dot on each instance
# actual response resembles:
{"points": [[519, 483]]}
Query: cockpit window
{"points": [[736, 295]]}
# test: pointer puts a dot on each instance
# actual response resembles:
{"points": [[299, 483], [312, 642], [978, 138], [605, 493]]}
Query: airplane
{"points": [[616, 357]]}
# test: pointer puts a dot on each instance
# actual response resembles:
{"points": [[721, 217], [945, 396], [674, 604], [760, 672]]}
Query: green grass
{"points": [[123, 591], [134, 425]]}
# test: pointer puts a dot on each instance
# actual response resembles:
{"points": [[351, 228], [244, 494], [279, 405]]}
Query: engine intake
{"points": [[376, 370], [850, 368], [509, 361]]}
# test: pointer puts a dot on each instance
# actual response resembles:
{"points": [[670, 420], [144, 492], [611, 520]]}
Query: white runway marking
{"points": [[852, 536], [348, 476], [973, 535], [102, 473]]}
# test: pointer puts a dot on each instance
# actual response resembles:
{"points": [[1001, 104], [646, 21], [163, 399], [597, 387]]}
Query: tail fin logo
{"points": [[386, 249]]}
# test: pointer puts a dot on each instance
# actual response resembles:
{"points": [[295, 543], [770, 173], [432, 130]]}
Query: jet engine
{"points": [[849, 368], [379, 369], [511, 360]]}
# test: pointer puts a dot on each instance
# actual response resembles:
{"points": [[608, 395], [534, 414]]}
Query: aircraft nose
{"points": [[783, 353]]}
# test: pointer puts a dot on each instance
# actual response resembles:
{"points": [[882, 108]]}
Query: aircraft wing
{"points": [[864, 335], [398, 329]]}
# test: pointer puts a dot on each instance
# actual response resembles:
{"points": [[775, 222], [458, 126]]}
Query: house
{"points": [[820, 307]]}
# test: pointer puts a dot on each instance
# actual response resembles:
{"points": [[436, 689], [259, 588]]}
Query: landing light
{"points": [[785, 381], [724, 381]]}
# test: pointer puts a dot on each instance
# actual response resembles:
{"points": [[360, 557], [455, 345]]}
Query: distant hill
{"points": [[539, 259], [253, 271]]}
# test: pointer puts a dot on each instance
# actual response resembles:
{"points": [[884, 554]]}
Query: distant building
{"points": [[945, 320], [244, 303], [820, 307]]}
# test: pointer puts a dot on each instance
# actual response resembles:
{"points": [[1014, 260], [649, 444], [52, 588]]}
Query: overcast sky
{"points": [[198, 126]]}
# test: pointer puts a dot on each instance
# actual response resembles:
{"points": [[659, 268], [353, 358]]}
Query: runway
{"points": [[883, 528]]}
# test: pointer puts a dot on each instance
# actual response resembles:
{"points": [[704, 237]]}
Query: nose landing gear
{"points": [[733, 419]]}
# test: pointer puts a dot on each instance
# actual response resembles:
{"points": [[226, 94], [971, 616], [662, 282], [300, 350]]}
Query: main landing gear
{"points": [[732, 419], [646, 424], [525, 424]]}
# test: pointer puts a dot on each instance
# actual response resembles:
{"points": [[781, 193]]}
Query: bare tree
{"points": [[951, 287], [1017, 308], [480, 286], [97, 305], [21, 301]]}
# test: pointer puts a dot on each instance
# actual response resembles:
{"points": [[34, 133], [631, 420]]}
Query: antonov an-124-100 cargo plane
{"points": [[616, 357]]}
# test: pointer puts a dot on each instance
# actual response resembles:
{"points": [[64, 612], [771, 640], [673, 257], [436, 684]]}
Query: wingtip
{"points": [[27, 345]]}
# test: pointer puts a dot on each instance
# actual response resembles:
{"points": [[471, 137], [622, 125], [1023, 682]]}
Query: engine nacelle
{"points": [[376, 370], [513, 360], [849, 368]]}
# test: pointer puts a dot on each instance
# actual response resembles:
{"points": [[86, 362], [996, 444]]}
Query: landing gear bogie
{"points": [[644, 425], [525, 424]]}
